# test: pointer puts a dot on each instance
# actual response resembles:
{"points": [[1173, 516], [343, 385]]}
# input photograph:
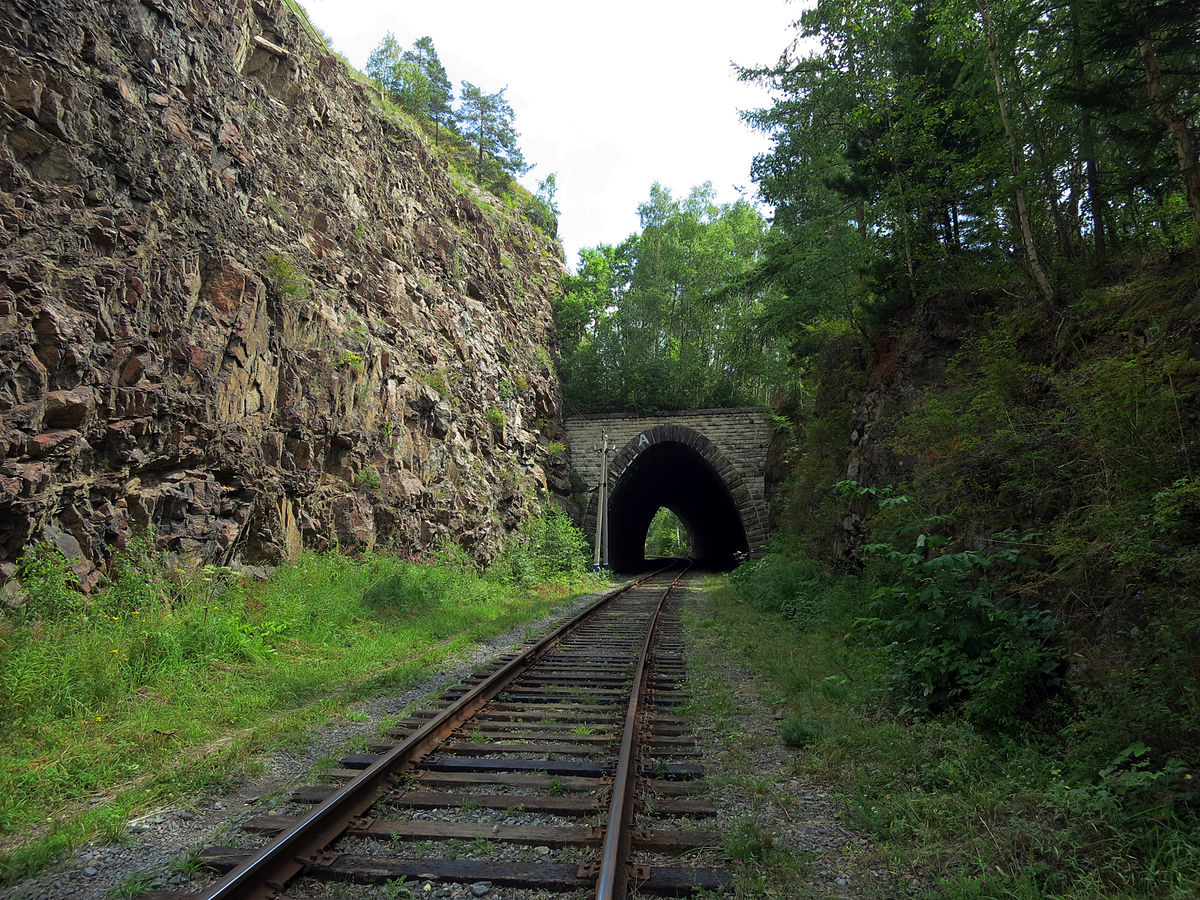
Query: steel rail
{"points": [[265, 874], [613, 878]]}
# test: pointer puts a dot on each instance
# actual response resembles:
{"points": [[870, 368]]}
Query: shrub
{"points": [[544, 547], [368, 479], [540, 216], [799, 732], [289, 282], [801, 588], [138, 577], [955, 631], [51, 590]]}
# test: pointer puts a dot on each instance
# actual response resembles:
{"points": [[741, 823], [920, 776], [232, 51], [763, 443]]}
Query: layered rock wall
{"points": [[242, 304]]}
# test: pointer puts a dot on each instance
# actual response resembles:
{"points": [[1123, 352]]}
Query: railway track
{"points": [[563, 768]]}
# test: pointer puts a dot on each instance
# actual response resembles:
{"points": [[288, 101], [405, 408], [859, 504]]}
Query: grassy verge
{"points": [[749, 778], [957, 812], [169, 682]]}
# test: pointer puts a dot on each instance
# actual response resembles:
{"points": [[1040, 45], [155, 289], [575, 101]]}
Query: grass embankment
{"points": [[957, 811], [169, 682]]}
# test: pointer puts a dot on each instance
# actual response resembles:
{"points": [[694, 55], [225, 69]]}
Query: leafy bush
{"points": [[799, 587], [540, 216], [954, 627], [289, 282], [138, 578], [50, 587], [544, 547]]}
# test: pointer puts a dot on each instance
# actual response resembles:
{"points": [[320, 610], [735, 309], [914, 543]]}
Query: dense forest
{"points": [[976, 302], [667, 319]]}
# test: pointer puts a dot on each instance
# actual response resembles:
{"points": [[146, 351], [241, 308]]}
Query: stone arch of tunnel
{"points": [[678, 468]]}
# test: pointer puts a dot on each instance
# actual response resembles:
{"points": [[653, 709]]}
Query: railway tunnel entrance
{"points": [[673, 475], [708, 467]]}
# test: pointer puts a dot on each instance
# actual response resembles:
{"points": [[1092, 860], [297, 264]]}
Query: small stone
{"points": [[90, 872], [480, 888], [541, 850], [218, 805], [185, 816]]}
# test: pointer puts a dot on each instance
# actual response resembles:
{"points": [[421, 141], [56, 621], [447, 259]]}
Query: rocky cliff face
{"points": [[240, 303]]}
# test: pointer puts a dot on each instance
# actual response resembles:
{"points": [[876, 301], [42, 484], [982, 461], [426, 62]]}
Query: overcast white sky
{"points": [[612, 97]]}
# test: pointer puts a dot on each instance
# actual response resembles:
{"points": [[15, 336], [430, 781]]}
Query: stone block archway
{"points": [[707, 466]]}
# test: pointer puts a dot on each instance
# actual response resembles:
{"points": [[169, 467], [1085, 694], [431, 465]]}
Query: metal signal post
{"points": [[601, 554]]}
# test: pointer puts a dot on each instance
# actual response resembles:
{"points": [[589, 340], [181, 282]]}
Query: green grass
{"points": [[166, 683], [964, 814]]}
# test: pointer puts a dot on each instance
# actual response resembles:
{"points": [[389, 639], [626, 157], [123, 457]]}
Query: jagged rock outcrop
{"points": [[240, 303]]}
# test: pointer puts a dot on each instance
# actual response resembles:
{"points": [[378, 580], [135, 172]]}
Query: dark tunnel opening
{"points": [[673, 475]]}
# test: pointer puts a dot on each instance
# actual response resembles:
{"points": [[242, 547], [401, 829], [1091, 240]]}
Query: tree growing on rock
{"points": [[414, 79], [487, 121], [439, 93]]}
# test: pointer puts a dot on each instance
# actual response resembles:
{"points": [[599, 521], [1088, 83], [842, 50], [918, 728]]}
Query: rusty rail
{"points": [[613, 878]]}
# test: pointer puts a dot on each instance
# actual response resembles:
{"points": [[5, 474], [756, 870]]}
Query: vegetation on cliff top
{"points": [[477, 140], [479, 136]]}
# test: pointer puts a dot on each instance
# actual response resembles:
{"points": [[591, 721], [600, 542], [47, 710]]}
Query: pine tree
{"points": [[487, 120], [439, 93]]}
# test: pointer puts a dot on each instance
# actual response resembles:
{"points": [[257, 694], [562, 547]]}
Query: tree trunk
{"points": [[479, 165], [1087, 145], [1099, 204], [1014, 159], [1160, 108]]}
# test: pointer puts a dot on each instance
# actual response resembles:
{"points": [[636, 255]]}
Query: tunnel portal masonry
{"points": [[707, 466]]}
